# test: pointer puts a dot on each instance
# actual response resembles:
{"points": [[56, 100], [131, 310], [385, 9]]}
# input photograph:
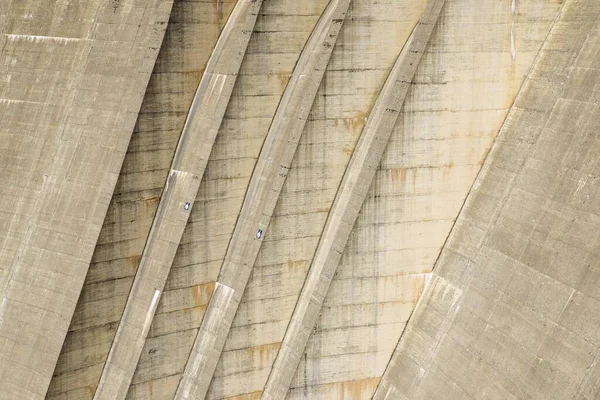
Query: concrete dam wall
{"points": [[284, 199]]}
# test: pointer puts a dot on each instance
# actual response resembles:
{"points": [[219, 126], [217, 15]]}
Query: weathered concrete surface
{"points": [[460, 96], [73, 75], [281, 32], [463, 88], [351, 84], [181, 187], [512, 310], [348, 202], [193, 30], [263, 192]]}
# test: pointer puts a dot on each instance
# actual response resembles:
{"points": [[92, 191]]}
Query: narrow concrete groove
{"points": [[181, 187], [261, 197], [348, 202]]}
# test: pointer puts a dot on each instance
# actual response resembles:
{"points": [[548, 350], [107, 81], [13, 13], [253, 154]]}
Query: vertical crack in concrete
{"points": [[348, 202], [261, 197], [181, 187]]}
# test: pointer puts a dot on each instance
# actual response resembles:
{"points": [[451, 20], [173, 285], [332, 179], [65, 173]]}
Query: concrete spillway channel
{"points": [[261, 197], [181, 187], [348, 202]]}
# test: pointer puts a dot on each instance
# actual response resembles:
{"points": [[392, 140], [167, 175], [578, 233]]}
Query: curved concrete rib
{"points": [[181, 187], [348, 202], [263, 191]]}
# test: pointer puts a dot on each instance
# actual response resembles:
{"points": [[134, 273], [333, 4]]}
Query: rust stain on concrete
{"points": [[202, 293], [264, 354], [399, 175], [151, 202], [248, 396], [357, 122], [91, 389], [418, 283], [358, 389], [133, 262], [283, 78], [300, 266]]}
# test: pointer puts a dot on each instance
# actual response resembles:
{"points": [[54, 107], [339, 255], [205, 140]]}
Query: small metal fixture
{"points": [[259, 233], [187, 205]]}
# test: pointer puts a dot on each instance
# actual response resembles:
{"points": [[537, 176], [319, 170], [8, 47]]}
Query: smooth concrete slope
{"points": [[73, 80], [461, 93], [512, 310], [181, 187], [262, 194], [348, 202]]}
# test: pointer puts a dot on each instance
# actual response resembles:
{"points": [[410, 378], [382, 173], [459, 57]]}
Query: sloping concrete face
{"points": [[74, 76], [262, 194], [459, 98], [348, 201], [351, 84], [281, 32], [512, 309], [191, 35], [181, 187]]}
